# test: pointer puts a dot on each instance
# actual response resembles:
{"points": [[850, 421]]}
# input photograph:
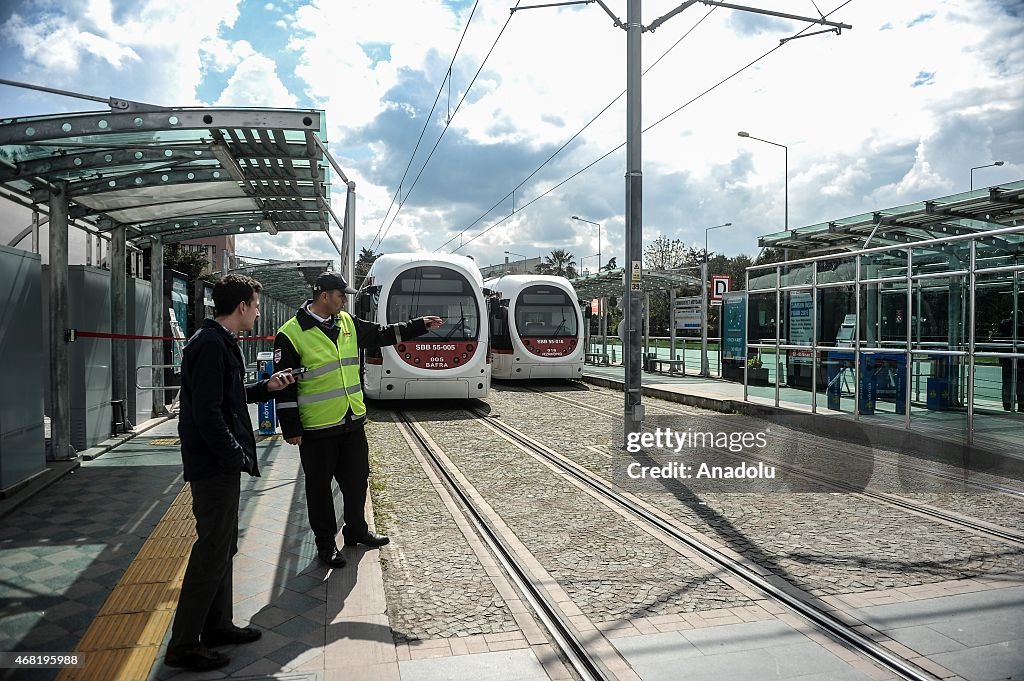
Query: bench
{"points": [[675, 366], [596, 358]]}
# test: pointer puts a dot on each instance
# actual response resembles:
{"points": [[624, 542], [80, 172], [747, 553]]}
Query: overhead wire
{"points": [[448, 122], [574, 136], [426, 122], [649, 127]]}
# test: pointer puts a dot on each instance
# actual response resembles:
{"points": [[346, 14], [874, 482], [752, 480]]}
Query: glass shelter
{"points": [[926, 334]]}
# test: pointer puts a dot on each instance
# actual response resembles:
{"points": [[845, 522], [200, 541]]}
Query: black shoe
{"points": [[370, 539], [197, 658], [231, 637], [331, 558]]}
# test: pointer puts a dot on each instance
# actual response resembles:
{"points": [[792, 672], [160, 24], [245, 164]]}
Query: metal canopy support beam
{"points": [[118, 319], [156, 279], [60, 386], [348, 238]]}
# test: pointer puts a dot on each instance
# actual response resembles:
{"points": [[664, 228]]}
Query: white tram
{"points": [[537, 327], [449, 362]]}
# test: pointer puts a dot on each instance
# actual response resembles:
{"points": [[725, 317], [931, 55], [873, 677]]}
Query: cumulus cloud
{"points": [[255, 83]]}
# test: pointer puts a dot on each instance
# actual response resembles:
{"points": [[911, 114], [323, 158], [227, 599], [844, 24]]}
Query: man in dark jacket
{"points": [[217, 445], [324, 413]]}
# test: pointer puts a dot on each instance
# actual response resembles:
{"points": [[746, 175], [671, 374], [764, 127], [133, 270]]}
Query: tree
{"points": [[770, 255], [609, 266], [561, 263], [363, 262]]}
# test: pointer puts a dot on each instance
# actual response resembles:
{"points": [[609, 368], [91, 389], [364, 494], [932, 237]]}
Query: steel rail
{"points": [[976, 525], [823, 620], [550, 615]]}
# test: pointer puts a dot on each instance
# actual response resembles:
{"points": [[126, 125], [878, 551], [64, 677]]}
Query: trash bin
{"points": [[265, 412]]}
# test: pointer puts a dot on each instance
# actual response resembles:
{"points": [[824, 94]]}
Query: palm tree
{"points": [[560, 263]]}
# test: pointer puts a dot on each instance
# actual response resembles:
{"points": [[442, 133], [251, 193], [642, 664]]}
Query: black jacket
{"points": [[368, 335], [213, 424]]}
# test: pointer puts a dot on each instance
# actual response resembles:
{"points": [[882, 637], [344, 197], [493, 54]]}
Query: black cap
{"points": [[332, 281]]}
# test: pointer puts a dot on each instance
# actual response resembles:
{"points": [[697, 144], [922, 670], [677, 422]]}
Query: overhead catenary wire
{"points": [[448, 123], [646, 129], [426, 122], [574, 136]]}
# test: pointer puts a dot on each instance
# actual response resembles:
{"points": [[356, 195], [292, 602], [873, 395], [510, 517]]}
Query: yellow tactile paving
{"points": [[164, 441], [123, 641]]}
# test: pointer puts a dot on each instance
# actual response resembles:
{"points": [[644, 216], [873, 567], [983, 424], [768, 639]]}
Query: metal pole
{"points": [[970, 341], [35, 231], [156, 280], [348, 239], [814, 337], [60, 385], [704, 368], [118, 318], [909, 368], [671, 324], [633, 410]]}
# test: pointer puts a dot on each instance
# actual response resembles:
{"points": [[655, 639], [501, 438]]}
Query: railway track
{"points": [[981, 527], [574, 647]]}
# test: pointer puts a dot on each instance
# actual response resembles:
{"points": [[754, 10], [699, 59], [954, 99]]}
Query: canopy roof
{"points": [[613, 283], [289, 282], [177, 173], [973, 212]]}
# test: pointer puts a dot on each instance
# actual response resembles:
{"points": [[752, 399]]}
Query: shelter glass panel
{"points": [[795, 378], [883, 315], [1002, 251], [999, 404], [796, 275], [938, 400], [836, 315], [797, 318], [836, 270], [884, 264], [835, 381], [762, 373], [949, 257], [940, 312], [761, 323], [762, 279], [999, 312], [883, 385]]}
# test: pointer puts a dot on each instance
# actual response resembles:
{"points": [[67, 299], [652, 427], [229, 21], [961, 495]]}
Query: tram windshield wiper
{"points": [[560, 326], [461, 324]]}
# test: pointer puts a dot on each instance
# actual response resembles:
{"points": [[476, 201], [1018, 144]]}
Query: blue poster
{"points": [[734, 325]]}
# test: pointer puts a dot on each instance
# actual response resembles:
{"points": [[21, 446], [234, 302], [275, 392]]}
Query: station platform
{"points": [[92, 562]]}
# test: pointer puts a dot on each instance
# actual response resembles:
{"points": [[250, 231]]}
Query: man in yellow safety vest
{"points": [[324, 413]]}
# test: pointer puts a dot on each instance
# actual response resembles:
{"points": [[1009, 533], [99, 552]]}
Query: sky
{"points": [[896, 110]]}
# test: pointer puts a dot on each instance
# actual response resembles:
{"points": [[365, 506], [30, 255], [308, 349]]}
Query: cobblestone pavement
{"points": [[435, 586], [609, 568], [824, 455], [825, 543]]}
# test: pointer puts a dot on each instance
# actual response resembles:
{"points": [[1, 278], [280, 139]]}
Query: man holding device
{"points": [[324, 412]]}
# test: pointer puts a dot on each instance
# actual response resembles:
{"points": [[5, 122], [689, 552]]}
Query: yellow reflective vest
{"points": [[330, 386]]}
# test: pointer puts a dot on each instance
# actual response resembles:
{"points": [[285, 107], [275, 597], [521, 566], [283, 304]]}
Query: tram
{"points": [[537, 327], [449, 362]]}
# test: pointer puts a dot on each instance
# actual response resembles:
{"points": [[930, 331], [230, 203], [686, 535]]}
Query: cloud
{"points": [[255, 83]]}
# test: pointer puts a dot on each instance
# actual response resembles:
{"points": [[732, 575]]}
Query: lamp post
{"points": [[994, 163], [592, 255], [521, 256], [743, 133], [574, 217], [705, 369]]}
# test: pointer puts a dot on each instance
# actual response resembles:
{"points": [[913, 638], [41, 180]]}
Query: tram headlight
{"points": [[469, 347], [401, 348]]}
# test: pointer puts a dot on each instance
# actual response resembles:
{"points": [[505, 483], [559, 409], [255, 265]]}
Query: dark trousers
{"points": [[1007, 365], [344, 458], [205, 601]]}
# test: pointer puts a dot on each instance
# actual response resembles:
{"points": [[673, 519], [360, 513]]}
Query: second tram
{"points": [[449, 362], [537, 328]]}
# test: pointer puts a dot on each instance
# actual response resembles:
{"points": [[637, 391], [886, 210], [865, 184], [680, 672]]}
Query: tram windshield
{"points": [[546, 311], [437, 291]]}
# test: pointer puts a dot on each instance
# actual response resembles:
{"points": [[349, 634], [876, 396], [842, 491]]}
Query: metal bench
{"points": [[675, 366], [596, 358]]}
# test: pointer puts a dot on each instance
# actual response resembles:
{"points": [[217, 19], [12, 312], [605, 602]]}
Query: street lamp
{"points": [[705, 368], [521, 256], [996, 163], [743, 133], [574, 217], [592, 255]]}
